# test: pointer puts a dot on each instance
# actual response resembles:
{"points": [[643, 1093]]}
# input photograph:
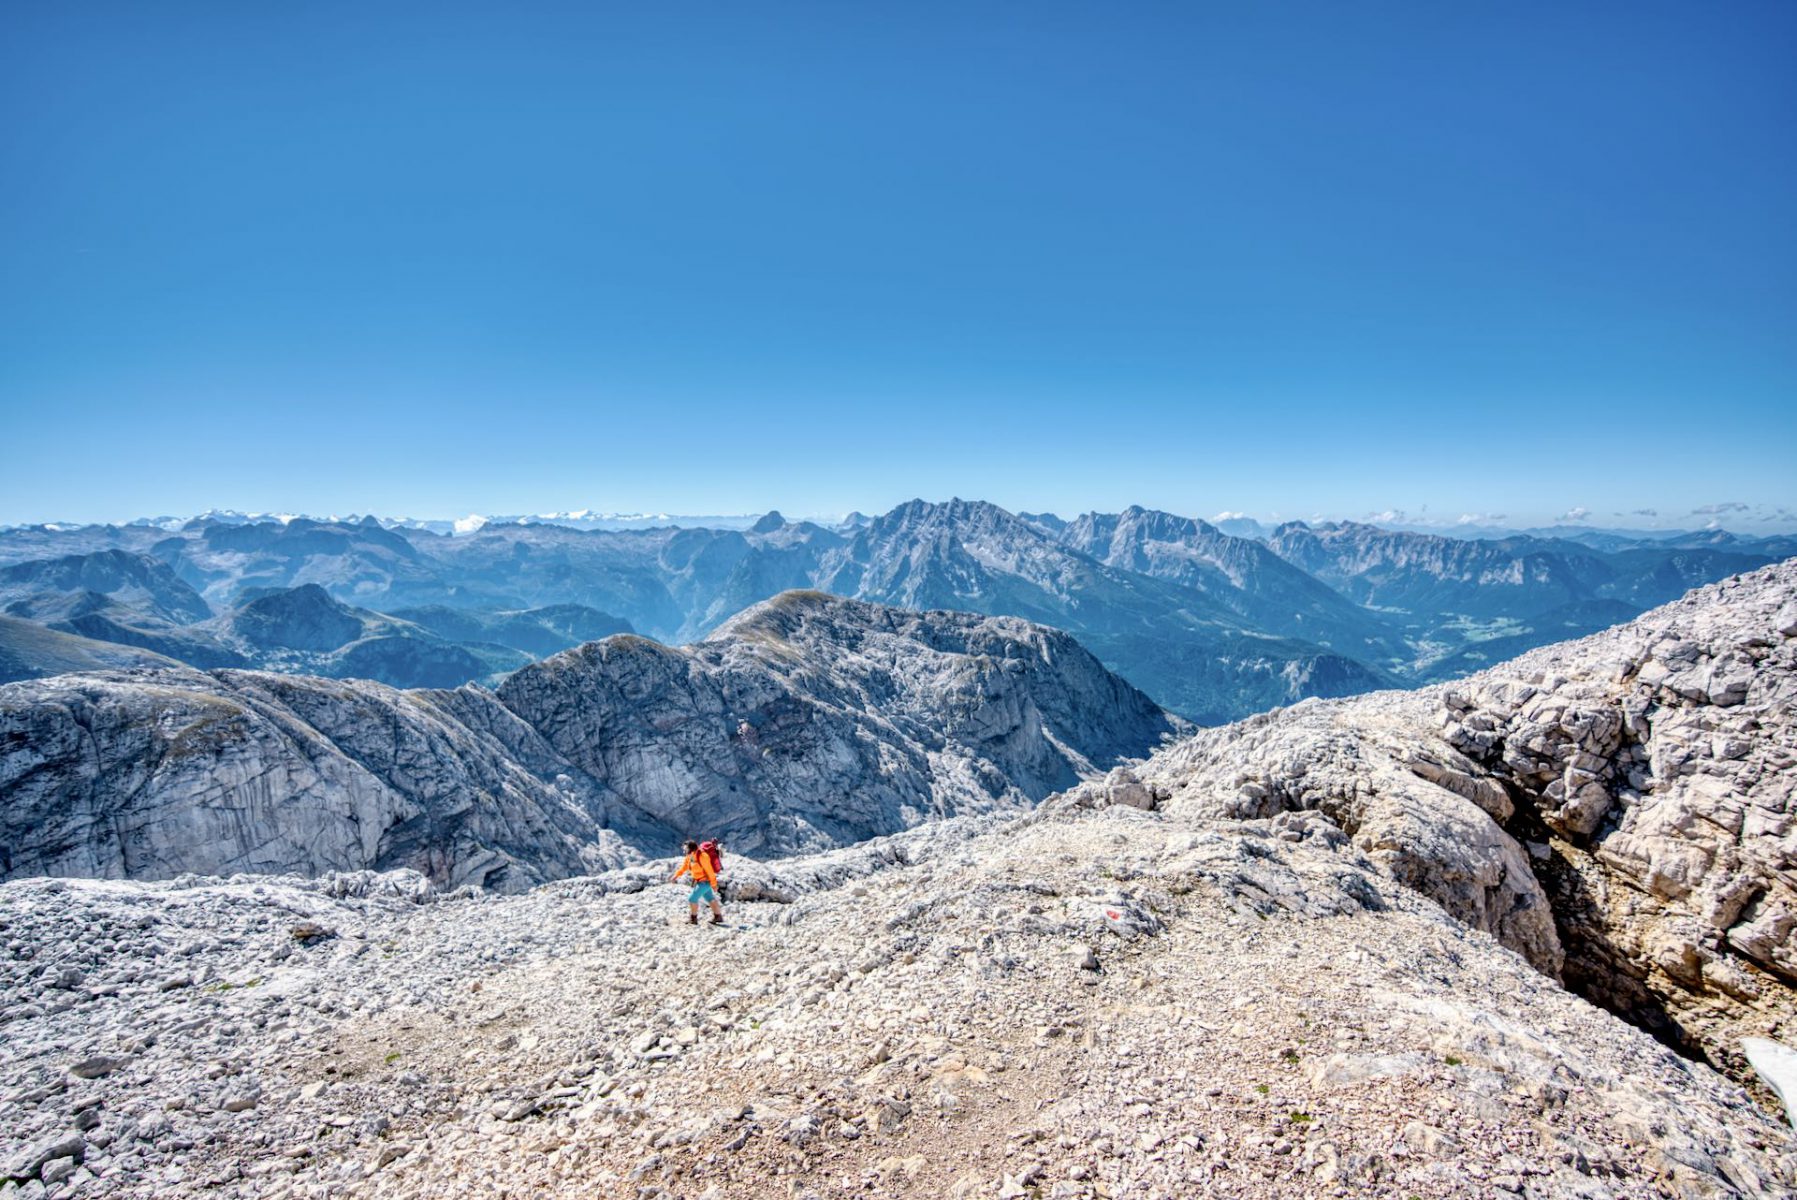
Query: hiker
{"points": [[704, 877]]}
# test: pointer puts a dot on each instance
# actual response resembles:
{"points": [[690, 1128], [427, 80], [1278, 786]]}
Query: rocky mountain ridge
{"points": [[805, 723]]}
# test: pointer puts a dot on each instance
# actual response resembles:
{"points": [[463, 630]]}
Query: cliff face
{"points": [[811, 721], [1619, 809], [154, 774], [807, 723]]}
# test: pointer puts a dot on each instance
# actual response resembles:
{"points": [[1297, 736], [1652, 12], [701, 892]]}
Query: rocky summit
{"points": [[806, 723], [1495, 939]]}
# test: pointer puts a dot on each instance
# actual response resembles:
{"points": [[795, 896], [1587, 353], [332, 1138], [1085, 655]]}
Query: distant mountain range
{"points": [[584, 518], [94, 605], [1209, 622]]}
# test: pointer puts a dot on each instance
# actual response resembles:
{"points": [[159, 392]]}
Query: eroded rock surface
{"points": [[1618, 809]]}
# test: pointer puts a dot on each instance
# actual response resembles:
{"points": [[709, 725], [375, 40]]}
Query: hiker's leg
{"points": [[717, 910]]}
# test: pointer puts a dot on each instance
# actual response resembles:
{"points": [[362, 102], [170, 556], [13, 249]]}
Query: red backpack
{"points": [[715, 853]]}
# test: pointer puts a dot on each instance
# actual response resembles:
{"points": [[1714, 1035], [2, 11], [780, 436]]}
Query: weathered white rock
{"points": [[1649, 766], [1777, 1065]]}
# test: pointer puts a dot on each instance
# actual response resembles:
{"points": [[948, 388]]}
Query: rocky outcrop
{"points": [[807, 723], [150, 775], [1618, 809], [1427, 823], [1658, 761]]}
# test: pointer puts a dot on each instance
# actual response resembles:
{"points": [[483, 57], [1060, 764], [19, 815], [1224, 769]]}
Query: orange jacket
{"points": [[699, 867]]}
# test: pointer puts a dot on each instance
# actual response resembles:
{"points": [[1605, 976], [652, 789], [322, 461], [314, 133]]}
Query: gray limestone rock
{"points": [[806, 723], [1650, 768], [810, 721]]}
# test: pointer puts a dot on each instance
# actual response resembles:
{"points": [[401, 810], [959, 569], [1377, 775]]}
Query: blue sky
{"points": [[1280, 258]]}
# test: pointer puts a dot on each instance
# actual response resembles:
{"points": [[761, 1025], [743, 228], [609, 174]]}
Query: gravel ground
{"points": [[1110, 1003]]}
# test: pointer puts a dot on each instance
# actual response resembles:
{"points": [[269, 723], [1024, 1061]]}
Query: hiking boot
{"points": [[717, 920], [692, 918]]}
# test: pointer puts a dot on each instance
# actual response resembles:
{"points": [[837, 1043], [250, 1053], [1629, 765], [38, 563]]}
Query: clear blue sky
{"points": [[1282, 258]]}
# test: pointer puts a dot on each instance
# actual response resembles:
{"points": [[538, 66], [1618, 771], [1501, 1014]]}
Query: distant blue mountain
{"points": [[1212, 619]]}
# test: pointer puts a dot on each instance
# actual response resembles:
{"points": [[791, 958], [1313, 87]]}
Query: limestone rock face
{"points": [[1659, 758], [1424, 812], [1618, 809], [811, 721], [807, 723], [156, 774]]}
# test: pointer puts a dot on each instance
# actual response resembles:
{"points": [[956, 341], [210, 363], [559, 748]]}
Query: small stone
{"points": [[57, 1170], [886, 1114], [1426, 1139], [27, 1162], [95, 1067], [520, 1109]]}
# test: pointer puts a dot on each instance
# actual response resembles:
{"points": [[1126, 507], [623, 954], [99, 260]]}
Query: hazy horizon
{"points": [[1732, 517]]}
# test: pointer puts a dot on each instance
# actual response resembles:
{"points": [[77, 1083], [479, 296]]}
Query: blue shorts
{"points": [[702, 894]]}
